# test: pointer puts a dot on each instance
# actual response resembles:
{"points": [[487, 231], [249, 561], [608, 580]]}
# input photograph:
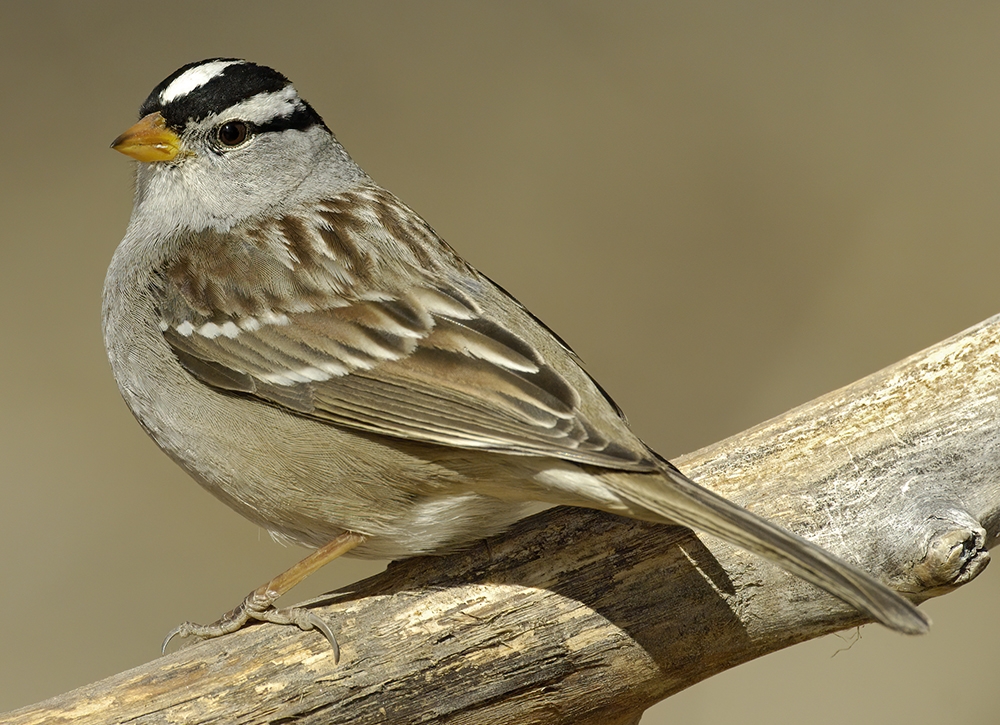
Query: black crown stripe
{"points": [[236, 83]]}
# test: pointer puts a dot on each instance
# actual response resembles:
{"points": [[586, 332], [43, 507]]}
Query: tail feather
{"points": [[680, 500]]}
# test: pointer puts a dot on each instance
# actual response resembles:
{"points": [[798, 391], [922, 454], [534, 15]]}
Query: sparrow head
{"points": [[228, 140]]}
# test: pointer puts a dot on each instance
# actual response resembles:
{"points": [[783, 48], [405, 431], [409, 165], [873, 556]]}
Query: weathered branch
{"points": [[581, 617]]}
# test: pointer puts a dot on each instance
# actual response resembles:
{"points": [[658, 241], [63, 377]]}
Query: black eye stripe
{"points": [[301, 119]]}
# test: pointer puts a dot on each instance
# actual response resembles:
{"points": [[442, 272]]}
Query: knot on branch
{"points": [[955, 555]]}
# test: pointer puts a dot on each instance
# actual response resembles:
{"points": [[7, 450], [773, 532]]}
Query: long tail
{"points": [[679, 500]]}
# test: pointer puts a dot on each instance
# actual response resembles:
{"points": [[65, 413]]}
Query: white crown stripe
{"points": [[268, 106], [194, 78]]}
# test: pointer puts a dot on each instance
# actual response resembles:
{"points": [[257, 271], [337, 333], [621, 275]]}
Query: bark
{"points": [[579, 617]]}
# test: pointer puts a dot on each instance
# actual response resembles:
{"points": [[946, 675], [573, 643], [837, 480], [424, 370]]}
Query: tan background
{"points": [[726, 210]]}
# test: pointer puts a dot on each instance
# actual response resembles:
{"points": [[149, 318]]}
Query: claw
{"points": [[301, 618], [251, 609], [324, 629], [258, 604], [170, 635]]}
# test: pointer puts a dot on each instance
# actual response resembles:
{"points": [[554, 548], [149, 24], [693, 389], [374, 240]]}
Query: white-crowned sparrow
{"points": [[311, 352]]}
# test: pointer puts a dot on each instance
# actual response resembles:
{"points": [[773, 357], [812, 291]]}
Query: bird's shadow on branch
{"points": [[646, 585]]}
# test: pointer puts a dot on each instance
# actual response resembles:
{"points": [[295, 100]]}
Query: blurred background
{"points": [[726, 208]]}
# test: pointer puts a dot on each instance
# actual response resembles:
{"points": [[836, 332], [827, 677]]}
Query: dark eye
{"points": [[233, 133]]}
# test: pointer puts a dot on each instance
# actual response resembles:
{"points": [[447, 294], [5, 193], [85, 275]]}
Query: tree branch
{"points": [[580, 617]]}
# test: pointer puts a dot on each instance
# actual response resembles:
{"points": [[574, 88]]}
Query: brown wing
{"points": [[342, 324]]}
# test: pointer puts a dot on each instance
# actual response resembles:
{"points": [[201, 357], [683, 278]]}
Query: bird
{"points": [[311, 352]]}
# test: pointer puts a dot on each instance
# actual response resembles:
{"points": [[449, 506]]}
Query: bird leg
{"points": [[259, 604]]}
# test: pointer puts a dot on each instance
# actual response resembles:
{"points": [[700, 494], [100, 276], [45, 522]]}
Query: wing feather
{"points": [[333, 320]]}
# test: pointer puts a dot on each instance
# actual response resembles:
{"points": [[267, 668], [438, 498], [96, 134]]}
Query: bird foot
{"points": [[258, 606]]}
